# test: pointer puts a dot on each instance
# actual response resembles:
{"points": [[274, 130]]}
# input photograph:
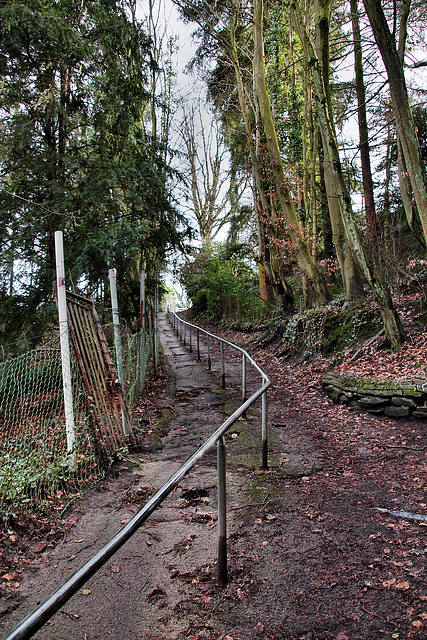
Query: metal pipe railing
{"points": [[53, 603]]}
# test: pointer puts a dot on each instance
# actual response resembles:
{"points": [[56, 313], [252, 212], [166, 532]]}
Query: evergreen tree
{"points": [[75, 154]]}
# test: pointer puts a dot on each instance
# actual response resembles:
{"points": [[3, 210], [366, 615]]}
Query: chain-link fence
{"points": [[137, 348], [34, 463]]}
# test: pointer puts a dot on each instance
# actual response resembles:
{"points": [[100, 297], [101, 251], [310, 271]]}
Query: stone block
{"points": [[403, 402], [420, 413], [397, 412], [371, 402]]}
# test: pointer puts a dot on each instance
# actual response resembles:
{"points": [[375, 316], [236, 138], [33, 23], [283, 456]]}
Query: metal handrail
{"points": [[180, 326], [53, 603]]}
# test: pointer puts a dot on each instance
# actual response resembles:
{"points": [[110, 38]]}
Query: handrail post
{"points": [[198, 344], [222, 513], [222, 366], [244, 379], [185, 333], [191, 348], [264, 431], [209, 353]]}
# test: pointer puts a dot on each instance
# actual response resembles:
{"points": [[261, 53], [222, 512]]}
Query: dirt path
{"points": [[139, 593], [310, 555]]}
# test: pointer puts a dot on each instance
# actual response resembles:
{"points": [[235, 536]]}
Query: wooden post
{"points": [[65, 349]]}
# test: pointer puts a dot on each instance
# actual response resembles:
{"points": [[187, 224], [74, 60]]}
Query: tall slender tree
{"points": [[406, 133]]}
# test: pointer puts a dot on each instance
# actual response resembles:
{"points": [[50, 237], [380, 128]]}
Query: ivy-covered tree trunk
{"points": [[305, 260]]}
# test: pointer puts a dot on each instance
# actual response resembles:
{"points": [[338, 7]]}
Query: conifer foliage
{"points": [[75, 152]]}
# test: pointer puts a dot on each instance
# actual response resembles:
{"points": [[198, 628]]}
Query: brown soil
{"points": [[311, 555]]}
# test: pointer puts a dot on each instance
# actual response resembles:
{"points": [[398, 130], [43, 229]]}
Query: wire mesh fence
{"points": [[137, 348], [34, 461]]}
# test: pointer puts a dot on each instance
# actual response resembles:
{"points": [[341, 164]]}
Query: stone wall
{"points": [[396, 400]]}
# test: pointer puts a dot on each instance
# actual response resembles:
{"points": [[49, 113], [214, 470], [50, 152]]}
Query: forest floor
{"points": [[314, 552]]}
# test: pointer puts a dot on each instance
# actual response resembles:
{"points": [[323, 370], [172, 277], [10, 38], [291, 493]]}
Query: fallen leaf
{"points": [[206, 599], [417, 624], [72, 521], [40, 547], [86, 592], [388, 583], [403, 586], [342, 636], [115, 568], [8, 577]]}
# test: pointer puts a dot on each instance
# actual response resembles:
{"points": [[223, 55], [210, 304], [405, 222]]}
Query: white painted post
{"points": [[116, 323], [117, 337], [65, 349]]}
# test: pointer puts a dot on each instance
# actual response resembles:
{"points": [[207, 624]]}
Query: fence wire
{"points": [[137, 348], [34, 463]]}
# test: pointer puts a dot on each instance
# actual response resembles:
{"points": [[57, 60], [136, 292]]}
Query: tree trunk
{"points": [[402, 112], [264, 271], [352, 279], [365, 160], [302, 251], [328, 241]]}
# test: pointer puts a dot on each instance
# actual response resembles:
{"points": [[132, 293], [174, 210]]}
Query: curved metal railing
{"points": [[181, 326], [36, 619]]}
